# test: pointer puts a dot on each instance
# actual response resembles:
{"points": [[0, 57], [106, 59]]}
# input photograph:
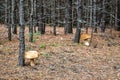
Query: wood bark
{"points": [[21, 35], [79, 24]]}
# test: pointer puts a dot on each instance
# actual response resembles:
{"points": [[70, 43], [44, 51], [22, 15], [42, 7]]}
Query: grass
{"points": [[54, 45], [46, 55], [42, 46]]}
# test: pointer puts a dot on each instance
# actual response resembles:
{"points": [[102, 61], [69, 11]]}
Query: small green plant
{"points": [[34, 40], [37, 34], [47, 55], [80, 44], [54, 45], [42, 46]]}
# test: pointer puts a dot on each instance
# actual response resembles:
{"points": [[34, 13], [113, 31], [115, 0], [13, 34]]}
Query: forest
{"points": [[59, 40]]}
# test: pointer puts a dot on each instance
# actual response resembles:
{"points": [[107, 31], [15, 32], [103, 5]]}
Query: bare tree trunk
{"points": [[31, 23], [9, 22], [44, 18], [6, 12], [68, 17], [54, 17], [35, 15], [87, 15], [13, 16], [103, 27], [91, 12], [58, 12], [94, 28], [79, 24], [22, 40], [118, 16], [41, 27], [94, 16], [116, 11]]}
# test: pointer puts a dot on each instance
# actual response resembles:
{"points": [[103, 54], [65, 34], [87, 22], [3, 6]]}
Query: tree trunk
{"points": [[94, 28], [87, 15], [68, 17], [91, 13], [31, 23], [35, 15], [6, 12], [22, 40], [103, 27], [118, 28], [54, 17], [94, 17], [116, 11], [79, 17], [9, 22], [41, 27], [13, 17]]}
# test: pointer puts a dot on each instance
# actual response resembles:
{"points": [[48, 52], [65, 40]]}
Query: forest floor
{"points": [[61, 58]]}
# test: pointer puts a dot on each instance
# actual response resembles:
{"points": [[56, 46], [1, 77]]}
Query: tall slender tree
{"points": [[91, 12], [13, 15], [79, 19], [35, 15], [41, 27], [68, 17], [94, 16], [14, 21], [103, 27], [22, 40], [87, 15], [31, 23], [6, 12], [118, 16], [54, 17], [9, 22], [94, 28], [116, 11]]}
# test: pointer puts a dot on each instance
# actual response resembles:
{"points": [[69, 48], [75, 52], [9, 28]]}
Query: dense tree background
{"points": [[59, 13]]}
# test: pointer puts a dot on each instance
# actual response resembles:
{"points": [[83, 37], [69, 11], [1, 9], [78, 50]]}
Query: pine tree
{"points": [[79, 19], [22, 41]]}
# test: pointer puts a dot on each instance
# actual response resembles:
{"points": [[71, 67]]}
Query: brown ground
{"points": [[61, 59]]}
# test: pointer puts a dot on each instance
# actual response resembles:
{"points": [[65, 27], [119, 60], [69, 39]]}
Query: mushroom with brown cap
{"points": [[31, 55], [85, 37]]}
